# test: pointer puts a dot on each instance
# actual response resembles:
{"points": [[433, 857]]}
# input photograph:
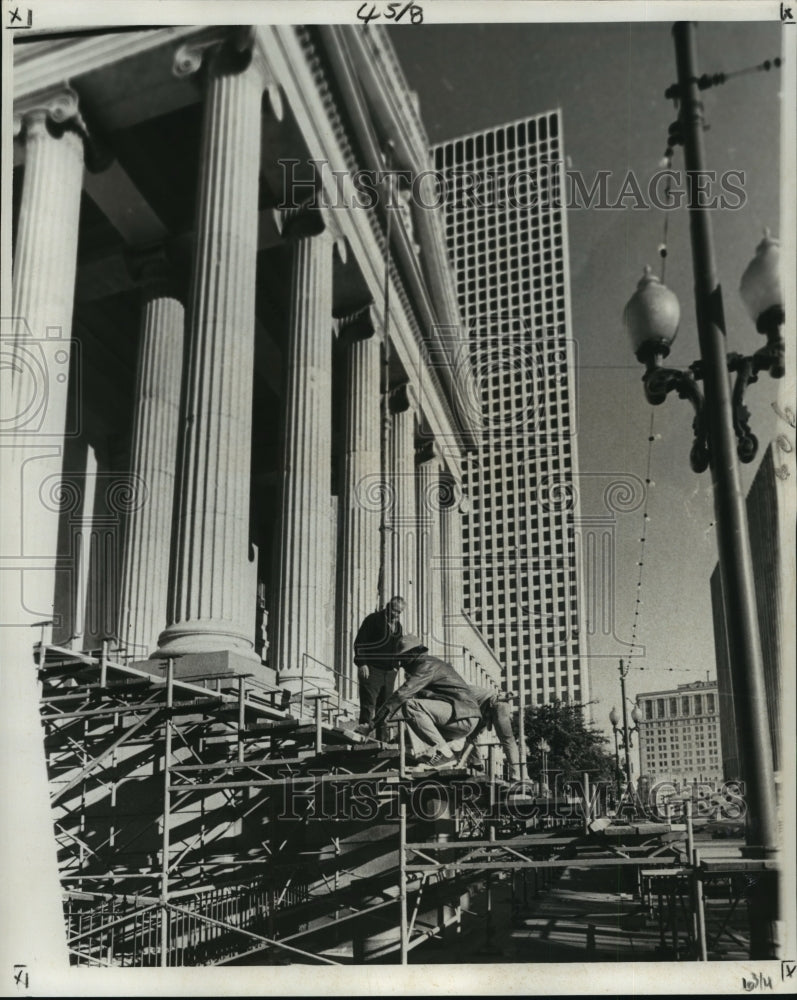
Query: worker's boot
{"points": [[475, 762]]}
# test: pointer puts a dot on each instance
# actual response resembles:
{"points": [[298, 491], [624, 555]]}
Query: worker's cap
{"points": [[410, 644]]}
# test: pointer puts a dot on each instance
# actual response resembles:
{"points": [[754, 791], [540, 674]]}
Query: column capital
{"points": [[56, 106], [153, 269], [454, 496], [428, 451], [361, 324], [302, 222], [228, 51], [57, 111], [402, 398]]}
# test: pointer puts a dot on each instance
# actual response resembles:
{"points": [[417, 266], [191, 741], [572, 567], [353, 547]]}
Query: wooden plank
{"points": [[527, 841], [276, 782], [550, 863]]}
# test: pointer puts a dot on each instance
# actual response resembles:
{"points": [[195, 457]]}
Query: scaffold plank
{"points": [[548, 863]]}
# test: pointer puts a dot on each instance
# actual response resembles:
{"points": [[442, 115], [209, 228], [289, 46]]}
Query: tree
{"points": [[575, 746]]}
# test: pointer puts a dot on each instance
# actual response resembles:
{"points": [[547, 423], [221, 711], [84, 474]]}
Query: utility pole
{"points": [[733, 541], [626, 734]]}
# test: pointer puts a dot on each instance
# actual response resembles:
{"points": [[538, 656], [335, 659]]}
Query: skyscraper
{"points": [[507, 237], [767, 516]]}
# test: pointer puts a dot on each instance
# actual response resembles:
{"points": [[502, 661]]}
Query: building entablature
{"points": [[395, 104], [150, 79]]}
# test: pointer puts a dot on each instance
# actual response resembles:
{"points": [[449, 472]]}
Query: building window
{"points": [[685, 705], [660, 708], [648, 709], [673, 706], [698, 704], [710, 703]]}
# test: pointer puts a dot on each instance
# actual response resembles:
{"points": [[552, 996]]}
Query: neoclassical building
{"points": [[240, 392]]}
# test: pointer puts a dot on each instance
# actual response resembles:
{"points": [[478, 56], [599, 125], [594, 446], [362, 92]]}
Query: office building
{"points": [[767, 517], [679, 735], [507, 237]]}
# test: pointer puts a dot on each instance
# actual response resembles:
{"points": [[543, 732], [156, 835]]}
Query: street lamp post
{"points": [[614, 718], [626, 734], [722, 434], [544, 747]]}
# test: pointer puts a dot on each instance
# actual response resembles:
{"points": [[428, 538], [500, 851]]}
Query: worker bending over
{"points": [[438, 705]]}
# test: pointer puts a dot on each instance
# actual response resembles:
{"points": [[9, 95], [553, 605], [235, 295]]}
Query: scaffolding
{"points": [[199, 822]]}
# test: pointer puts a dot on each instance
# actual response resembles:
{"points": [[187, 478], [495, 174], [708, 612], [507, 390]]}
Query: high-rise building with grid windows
{"points": [[679, 734], [507, 237]]}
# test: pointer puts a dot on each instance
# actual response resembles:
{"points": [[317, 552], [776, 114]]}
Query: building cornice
{"points": [[437, 311], [387, 89], [288, 59], [40, 65], [478, 646]]}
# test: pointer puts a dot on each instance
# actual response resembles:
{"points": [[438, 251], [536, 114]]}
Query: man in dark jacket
{"points": [[436, 703], [375, 647]]}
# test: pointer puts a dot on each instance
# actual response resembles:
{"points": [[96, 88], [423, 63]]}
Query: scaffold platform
{"points": [[200, 822]]}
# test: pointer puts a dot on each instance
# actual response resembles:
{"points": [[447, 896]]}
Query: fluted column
{"points": [[429, 590], [453, 506], [145, 567], [304, 615], [361, 494], [37, 351], [403, 526], [211, 608], [35, 373], [45, 255]]}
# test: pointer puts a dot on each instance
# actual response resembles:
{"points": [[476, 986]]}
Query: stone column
{"points": [[211, 607], [429, 590], [37, 344], [362, 493], [304, 615], [403, 527], [148, 531], [45, 256], [35, 378], [453, 506], [37, 349]]}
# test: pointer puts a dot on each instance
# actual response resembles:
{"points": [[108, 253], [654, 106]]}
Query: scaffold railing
{"points": [[198, 821]]}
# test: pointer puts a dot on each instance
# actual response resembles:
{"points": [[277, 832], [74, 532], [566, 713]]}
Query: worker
{"points": [[375, 647], [497, 715], [438, 706]]}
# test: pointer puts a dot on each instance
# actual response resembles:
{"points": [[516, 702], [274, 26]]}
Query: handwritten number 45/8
{"points": [[391, 12]]}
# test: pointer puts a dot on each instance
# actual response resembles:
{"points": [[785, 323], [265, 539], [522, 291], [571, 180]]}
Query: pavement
{"points": [[583, 916]]}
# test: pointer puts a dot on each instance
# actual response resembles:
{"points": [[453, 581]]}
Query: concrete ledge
{"points": [[199, 665]]}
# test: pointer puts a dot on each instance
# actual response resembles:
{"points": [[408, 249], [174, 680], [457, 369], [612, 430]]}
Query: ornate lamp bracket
{"points": [[747, 369], [659, 383]]}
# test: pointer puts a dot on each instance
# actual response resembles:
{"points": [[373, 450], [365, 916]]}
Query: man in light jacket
{"points": [[438, 705]]}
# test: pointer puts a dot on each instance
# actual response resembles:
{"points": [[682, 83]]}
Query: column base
{"points": [[187, 638], [201, 665]]}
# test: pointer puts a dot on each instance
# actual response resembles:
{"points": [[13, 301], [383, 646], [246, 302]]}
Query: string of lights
{"points": [[674, 137], [708, 80], [643, 538], [643, 541]]}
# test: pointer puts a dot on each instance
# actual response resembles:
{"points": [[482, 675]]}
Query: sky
{"points": [[609, 80]]}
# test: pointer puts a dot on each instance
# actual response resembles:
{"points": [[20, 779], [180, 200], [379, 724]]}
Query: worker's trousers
{"points": [[430, 723]]}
